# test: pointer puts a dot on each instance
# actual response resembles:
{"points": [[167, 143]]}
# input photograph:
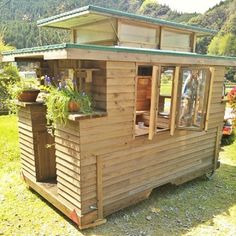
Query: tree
{"points": [[3, 46], [224, 45]]}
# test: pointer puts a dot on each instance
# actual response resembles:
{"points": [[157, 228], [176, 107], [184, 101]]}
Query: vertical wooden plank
{"points": [[218, 137], [179, 95], [160, 38], [154, 101], [194, 42], [174, 100], [99, 188], [73, 36], [206, 97], [135, 99], [212, 70]]}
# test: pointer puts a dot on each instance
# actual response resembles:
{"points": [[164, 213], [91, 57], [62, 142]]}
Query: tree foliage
{"points": [[3, 46], [18, 20], [223, 45]]}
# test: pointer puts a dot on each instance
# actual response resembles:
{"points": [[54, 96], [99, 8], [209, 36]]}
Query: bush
{"points": [[232, 102], [8, 75]]}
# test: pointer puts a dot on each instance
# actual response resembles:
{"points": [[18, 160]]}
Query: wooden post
{"points": [[174, 100], [218, 136], [73, 36], [194, 42], [135, 99], [99, 188], [212, 70], [154, 102], [160, 38]]}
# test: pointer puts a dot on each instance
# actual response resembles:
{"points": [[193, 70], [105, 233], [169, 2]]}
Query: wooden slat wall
{"points": [[102, 135], [217, 108], [67, 142], [175, 40], [98, 89], [131, 167], [97, 33], [38, 161]]}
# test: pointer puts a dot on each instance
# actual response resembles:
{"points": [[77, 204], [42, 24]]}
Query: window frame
{"points": [[155, 94], [175, 99], [205, 102]]}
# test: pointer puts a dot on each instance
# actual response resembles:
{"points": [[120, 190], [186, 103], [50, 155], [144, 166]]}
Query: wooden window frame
{"points": [[206, 102], [155, 92]]}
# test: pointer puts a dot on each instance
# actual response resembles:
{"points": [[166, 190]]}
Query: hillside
{"points": [[222, 18], [18, 17], [18, 20]]}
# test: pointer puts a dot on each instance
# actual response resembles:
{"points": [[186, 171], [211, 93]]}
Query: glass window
{"points": [[193, 98]]}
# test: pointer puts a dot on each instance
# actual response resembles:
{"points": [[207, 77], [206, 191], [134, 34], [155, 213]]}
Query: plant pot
{"points": [[73, 106], [29, 95]]}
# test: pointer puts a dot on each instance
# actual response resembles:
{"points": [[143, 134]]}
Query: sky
{"points": [[190, 5]]}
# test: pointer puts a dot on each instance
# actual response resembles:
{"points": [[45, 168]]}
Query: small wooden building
{"points": [[158, 119]]}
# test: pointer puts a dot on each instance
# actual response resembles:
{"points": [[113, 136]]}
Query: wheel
{"points": [[209, 175]]}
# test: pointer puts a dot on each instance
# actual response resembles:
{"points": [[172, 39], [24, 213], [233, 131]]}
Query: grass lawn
{"points": [[199, 207]]}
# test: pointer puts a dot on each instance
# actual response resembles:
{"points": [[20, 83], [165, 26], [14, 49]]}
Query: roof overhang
{"points": [[114, 53], [89, 14]]}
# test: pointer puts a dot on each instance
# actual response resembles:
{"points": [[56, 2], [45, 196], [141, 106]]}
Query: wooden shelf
{"points": [[80, 116]]}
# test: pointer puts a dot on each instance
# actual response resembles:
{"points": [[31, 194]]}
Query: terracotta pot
{"points": [[73, 106], [28, 95]]}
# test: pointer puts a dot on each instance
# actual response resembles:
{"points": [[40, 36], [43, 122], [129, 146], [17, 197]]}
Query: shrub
{"points": [[228, 139], [232, 102], [8, 75]]}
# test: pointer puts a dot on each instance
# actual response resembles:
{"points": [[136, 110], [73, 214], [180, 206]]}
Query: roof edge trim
{"points": [[114, 49]]}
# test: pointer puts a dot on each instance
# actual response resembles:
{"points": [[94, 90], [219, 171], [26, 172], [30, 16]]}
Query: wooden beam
{"points": [[174, 101], [154, 101], [90, 54], [99, 188], [212, 70]]}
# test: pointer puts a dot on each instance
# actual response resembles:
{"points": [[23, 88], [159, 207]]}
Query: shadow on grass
{"points": [[175, 209], [172, 210], [53, 207]]}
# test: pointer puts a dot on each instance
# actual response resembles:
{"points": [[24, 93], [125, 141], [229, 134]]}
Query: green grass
{"points": [[199, 207]]}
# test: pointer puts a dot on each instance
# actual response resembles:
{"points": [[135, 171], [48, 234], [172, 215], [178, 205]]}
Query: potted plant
{"points": [[25, 90], [63, 100]]}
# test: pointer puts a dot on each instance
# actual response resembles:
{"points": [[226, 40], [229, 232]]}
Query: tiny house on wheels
{"points": [[158, 112]]}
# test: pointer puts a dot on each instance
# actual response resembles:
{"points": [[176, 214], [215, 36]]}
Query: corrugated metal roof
{"points": [[115, 49], [115, 13]]}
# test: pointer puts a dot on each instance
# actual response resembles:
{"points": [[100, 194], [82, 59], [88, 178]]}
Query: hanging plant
{"points": [[63, 100]]}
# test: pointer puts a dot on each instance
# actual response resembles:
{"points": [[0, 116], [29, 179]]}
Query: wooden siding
{"points": [[38, 159], [217, 108], [67, 144], [103, 135], [175, 40], [98, 86], [131, 34], [131, 167], [100, 32]]}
